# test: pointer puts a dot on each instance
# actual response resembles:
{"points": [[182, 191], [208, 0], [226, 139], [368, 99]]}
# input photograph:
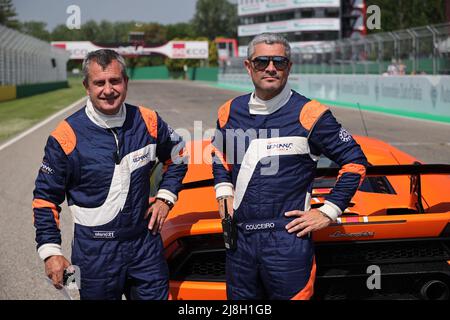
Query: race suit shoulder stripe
{"points": [[310, 114], [224, 113], [220, 166], [151, 120], [65, 136]]}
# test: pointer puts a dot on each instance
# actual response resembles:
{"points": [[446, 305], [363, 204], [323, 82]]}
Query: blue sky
{"points": [[53, 12]]}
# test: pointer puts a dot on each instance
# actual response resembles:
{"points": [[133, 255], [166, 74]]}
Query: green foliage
{"points": [[74, 64], [122, 29], [403, 14], [90, 30], [215, 18], [147, 61], [180, 30], [35, 29], [154, 33], [62, 33], [105, 32], [8, 14], [213, 54]]}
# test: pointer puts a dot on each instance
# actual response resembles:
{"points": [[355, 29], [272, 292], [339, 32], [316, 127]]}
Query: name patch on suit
{"points": [[104, 234], [260, 226]]}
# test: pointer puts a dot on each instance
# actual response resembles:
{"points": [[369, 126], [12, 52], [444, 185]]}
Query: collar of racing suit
{"points": [[103, 120], [259, 106]]}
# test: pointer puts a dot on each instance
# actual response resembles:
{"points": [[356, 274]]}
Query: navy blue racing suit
{"points": [[268, 162], [105, 175]]}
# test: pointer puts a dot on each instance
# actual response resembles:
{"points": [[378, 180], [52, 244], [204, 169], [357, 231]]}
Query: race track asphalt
{"points": [[180, 104]]}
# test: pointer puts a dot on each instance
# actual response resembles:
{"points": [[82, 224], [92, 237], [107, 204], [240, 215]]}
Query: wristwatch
{"points": [[168, 202]]}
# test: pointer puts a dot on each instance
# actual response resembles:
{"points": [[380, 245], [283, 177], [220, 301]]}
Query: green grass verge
{"points": [[20, 114]]}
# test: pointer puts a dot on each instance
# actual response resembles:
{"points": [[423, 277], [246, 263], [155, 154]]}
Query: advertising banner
{"points": [[295, 47], [309, 24], [172, 49], [255, 7]]}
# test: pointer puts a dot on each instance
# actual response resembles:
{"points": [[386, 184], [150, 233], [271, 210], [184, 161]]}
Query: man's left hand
{"points": [[307, 221], [158, 211]]}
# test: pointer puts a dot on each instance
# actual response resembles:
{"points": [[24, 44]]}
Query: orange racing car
{"points": [[397, 225]]}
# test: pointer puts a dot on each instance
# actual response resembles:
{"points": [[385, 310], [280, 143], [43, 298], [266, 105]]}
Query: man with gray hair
{"points": [[100, 158], [270, 253]]}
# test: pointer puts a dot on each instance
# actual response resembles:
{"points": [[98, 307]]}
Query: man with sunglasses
{"points": [[265, 153]]}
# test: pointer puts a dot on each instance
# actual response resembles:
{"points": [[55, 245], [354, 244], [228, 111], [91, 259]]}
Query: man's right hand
{"points": [[229, 201], [54, 269]]}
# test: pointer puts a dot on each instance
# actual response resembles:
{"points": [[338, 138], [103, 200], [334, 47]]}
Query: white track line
{"points": [[40, 124]]}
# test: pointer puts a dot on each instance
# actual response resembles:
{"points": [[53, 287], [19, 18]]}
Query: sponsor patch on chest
{"points": [[141, 158], [280, 146]]}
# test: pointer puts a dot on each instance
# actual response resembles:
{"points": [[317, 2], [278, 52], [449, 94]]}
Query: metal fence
{"points": [[27, 60], [423, 50]]}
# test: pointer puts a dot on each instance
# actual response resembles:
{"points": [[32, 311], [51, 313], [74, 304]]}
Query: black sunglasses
{"points": [[261, 63]]}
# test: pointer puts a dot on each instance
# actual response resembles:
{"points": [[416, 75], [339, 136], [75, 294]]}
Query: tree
{"points": [[8, 14], [180, 30], [214, 18], [403, 14], [35, 29], [90, 31], [213, 60], [62, 33], [154, 33], [122, 29], [106, 32]]}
